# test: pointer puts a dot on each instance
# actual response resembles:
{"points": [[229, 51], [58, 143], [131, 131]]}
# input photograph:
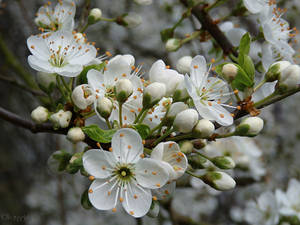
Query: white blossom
{"points": [[208, 93], [256, 6], [83, 96], [59, 53], [59, 18], [123, 175], [61, 119]]}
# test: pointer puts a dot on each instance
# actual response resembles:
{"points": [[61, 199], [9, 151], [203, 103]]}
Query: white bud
{"points": [[129, 59], [124, 89], [250, 126], [83, 96], [275, 70], [174, 109], [290, 78], [104, 107], [223, 162], [186, 120], [40, 114], [184, 64], [229, 71], [173, 44], [79, 38], [219, 180], [132, 20], [204, 128], [153, 93], [61, 118], [180, 91], [96, 13], [75, 134], [45, 79], [143, 2]]}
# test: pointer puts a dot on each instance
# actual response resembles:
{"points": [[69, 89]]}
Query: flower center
{"points": [[124, 173], [57, 58]]}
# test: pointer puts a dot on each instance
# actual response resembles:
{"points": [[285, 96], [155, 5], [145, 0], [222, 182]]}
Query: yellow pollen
{"points": [[32, 46], [157, 185], [110, 149], [178, 159], [123, 173], [135, 196], [154, 173], [108, 54], [121, 199], [154, 198], [98, 145], [90, 191], [167, 67], [142, 155], [103, 167], [195, 67], [131, 213], [114, 210], [236, 91], [129, 146], [108, 193], [167, 192], [91, 178], [144, 142], [121, 135], [124, 75], [170, 145], [222, 115]]}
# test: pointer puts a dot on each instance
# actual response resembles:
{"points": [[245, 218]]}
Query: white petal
{"points": [[266, 200], [293, 190], [198, 70], [103, 195], [254, 6], [69, 70], [84, 56], [166, 191], [95, 79], [127, 145], [98, 163], [150, 173], [137, 200], [219, 88], [40, 65], [38, 47]]}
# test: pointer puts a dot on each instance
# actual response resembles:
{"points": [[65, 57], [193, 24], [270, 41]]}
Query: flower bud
{"points": [[289, 79], [123, 90], [58, 161], [82, 96], [219, 180], [153, 93], [250, 126], [143, 2], [131, 20], [223, 162], [186, 147], [229, 71], [198, 162], [174, 109], [275, 70], [186, 120], [180, 92], [183, 64], [61, 119], [40, 114], [204, 129], [173, 44], [154, 209], [75, 134], [46, 81], [104, 107], [95, 15]]}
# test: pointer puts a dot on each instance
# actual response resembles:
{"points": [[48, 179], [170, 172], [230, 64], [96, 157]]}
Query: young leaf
{"points": [[85, 202], [242, 80], [82, 79], [245, 42], [143, 130], [248, 66], [97, 134]]}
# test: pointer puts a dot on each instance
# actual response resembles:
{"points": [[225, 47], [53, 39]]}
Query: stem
{"points": [[193, 36], [224, 135], [139, 115], [192, 174], [65, 84], [108, 123], [120, 114], [59, 86], [180, 137], [166, 134], [147, 151], [204, 156], [143, 117], [259, 85], [215, 4], [108, 19], [265, 99], [154, 129], [84, 28], [139, 221]]}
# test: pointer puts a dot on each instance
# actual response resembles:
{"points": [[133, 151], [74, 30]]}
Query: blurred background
{"points": [[31, 193]]}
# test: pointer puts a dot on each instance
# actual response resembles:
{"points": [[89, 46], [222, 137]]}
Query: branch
{"points": [[211, 27]]}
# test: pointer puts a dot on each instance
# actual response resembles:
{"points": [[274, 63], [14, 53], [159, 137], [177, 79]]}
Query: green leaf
{"points": [[143, 130], [82, 79], [85, 202], [97, 134], [166, 34], [244, 47], [63, 158], [248, 66]]}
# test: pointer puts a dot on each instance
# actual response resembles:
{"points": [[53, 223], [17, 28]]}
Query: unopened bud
{"points": [[61, 119], [154, 209], [275, 70], [184, 64], [229, 71], [46, 81], [198, 162], [131, 20], [75, 134], [250, 126], [289, 79], [104, 107], [180, 92], [40, 114], [223, 162], [95, 15], [173, 44], [186, 147], [204, 129], [123, 90], [219, 180], [83, 96], [175, 108], [186, 120], [153, 93]]}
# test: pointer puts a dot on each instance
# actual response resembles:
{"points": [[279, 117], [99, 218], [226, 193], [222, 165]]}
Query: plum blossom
{"points": [[103, 83], [59, 18], [208, 93], [123, 175], [60, 53], [256, 6]]}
